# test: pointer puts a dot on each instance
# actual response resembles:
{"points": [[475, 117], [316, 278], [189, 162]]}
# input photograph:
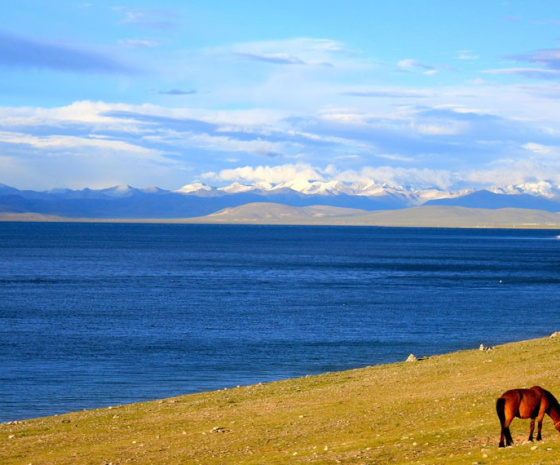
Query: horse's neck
{"points": [[554, 412]]}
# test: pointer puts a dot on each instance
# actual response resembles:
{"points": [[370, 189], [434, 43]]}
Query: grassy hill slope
{"points": [[436, 410]]}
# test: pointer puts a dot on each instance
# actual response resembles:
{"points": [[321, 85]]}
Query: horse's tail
{"points": [[501, 410]]}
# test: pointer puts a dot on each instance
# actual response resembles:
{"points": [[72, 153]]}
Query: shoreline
{"points": [[412, 358], [437, 408]]}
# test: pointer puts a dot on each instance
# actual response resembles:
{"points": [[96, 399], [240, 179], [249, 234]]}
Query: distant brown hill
{"points": [[273, 213], [426, 216]]}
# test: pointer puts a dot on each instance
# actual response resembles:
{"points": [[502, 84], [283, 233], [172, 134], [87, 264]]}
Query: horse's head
{"points": [[554, 410]]}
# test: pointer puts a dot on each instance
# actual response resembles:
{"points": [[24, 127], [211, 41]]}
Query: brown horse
{"points": [[526, 403]]}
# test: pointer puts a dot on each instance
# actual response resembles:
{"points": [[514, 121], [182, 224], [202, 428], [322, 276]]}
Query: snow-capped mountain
{"points": [[194, 188], [331, 188], [237, 188], [542, 189], [198, 199]]}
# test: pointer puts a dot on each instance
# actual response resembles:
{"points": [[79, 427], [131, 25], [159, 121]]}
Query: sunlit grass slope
{"points": [[437, 410]]}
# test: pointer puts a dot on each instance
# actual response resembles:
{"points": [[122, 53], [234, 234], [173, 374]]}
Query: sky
{"points": [[429, 94]]}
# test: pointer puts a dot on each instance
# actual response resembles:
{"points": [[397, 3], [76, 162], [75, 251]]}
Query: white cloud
{"points": [[419, 178], [72, 142], [541, 149], [305, 172], [509, 172], [460, 130], [504, 173], [267, 174], [94, 114]]}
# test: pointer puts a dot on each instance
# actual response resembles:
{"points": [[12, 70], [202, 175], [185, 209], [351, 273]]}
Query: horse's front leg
{"points": [[540, 418], [532, 430]]}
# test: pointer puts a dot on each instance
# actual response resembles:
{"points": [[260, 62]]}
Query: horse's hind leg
{"points": [[502, 436], [509, 416], [509, 439], [505, 437], [506, 416]]}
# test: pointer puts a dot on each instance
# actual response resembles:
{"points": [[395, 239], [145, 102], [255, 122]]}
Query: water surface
{"points": [[93, 315]]}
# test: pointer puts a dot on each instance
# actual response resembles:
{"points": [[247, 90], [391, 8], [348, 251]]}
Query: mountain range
{"points": [[198, 200]]}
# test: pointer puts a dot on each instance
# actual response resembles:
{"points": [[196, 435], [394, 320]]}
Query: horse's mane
{"points": [[552, 401]]}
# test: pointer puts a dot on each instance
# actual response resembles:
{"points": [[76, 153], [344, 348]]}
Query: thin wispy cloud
{"points": [[140, 43], [176, 92], [274, 58], [549, 58], [467, 55], [390, 94], [545, 65], [27, 53], [410, 64], [297, 51], [158, 19], [531, 73]]}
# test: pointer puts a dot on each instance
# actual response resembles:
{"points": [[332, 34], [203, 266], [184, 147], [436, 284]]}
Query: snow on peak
{"points": [[118, 191], [542, 188], [299, 185], [236, 188], [151, 190], [263, 186], [194, 187]]}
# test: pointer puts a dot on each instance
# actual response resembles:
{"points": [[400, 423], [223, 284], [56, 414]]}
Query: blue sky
{"points": [[446, 94]]}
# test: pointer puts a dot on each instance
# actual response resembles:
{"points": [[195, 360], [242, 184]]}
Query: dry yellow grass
{"points": [[437, 410]]}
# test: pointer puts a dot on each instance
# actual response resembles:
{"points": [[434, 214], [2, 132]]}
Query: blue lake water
{"points": [[93, 315]]}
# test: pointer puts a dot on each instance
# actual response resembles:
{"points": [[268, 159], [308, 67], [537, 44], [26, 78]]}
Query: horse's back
{"points": [[524, 403], [539, 390], [521, 393], [513, 394]]}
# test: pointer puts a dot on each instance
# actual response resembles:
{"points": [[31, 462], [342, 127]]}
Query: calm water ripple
{"points": [[93, 315]]}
